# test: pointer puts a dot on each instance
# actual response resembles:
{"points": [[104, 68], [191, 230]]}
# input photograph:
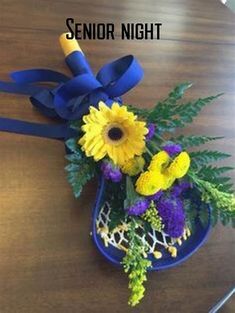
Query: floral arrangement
{"points": [[158, 194], [158, 179]]}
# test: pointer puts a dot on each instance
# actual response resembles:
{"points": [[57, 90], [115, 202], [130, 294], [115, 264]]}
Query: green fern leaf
{"points": [[213, 171], [212, 174], [79, 176], [72, 145], [168, 115], [73, 157], [227, 187], [177, 93], [80, 169], [200, 158], [192, 141], [190, 110], [77, 124]]}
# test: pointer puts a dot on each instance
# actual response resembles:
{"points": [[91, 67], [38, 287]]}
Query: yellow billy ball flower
{"points": [[168, 179], [159, 160], [159, 165], [114, 132], [133, 166], [180, 165], [148, 183]]}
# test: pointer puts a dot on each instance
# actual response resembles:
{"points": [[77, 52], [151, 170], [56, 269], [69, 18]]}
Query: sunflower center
{"points": [[115, 133]]}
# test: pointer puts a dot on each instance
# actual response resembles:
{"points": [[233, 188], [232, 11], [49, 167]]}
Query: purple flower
{"points": [[172, 149], [156, 196], [111, 172], [180, 187], [173, 217], [140, 206], [151, 128]]}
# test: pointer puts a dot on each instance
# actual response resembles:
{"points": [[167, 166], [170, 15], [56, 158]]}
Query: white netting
{"points": [[154, 240]]}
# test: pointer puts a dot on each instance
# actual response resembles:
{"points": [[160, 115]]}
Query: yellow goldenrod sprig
{"points": [[135, 264], [223, 200], [151, 216]]}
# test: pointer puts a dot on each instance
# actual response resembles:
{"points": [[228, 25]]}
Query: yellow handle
{"points": [[69, 45]]}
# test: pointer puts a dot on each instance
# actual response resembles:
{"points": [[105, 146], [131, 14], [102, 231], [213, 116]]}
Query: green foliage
{"points": [[213, 171], [77, 124], [203, 214], [200, 158], [135, 264], [191, 213], [169, 114], [116, 217], [115, 196], [72, 145], [80, 168], [224, 217], [192, 141], [213, 174], [186, 112], [131, 194], [223, 203], [174, 95], [177, 93], [199, 161]]}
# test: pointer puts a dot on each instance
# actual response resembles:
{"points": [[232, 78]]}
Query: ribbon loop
{"points": [[113, 80], [71, 98], [80, 85], [120, 75]]}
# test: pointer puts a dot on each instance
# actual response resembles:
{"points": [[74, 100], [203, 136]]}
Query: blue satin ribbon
{"points": [[60, 132], [69, 98]]}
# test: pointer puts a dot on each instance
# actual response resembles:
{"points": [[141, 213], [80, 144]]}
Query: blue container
{"points": [[188, 247]]}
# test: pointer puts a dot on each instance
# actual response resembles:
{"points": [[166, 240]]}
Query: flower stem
{"points": [[149, 152], [159, 137]]}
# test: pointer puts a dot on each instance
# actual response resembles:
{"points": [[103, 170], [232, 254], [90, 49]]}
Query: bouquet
{"points": [[157, 199]]}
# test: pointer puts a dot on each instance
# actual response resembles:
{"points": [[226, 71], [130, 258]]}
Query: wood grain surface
{"points": [[48, 262]]}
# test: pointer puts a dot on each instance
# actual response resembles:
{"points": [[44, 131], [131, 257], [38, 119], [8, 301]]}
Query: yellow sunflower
{"points": [[114, 132]]}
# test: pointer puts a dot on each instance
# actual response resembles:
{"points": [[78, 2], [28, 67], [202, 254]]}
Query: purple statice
{"points": [[171, 211], [151, 128], [139, 207], [156, 196], [179, 188], [111, 172], [172, 149]]}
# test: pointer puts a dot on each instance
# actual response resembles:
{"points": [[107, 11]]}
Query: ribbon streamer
{"points": [[69, 98], [61, 131]]}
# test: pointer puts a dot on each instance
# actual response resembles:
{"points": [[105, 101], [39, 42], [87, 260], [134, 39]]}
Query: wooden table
{"points": [[48, 262]]}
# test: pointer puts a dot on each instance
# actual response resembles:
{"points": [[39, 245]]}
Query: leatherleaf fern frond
{"points": [[80, 168], [200, 160], [202, 157], [213, 174], [222, 203], [169, 114], [193, 141]]}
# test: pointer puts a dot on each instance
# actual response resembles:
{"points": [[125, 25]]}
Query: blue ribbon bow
{"points": [[71, 98]]}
